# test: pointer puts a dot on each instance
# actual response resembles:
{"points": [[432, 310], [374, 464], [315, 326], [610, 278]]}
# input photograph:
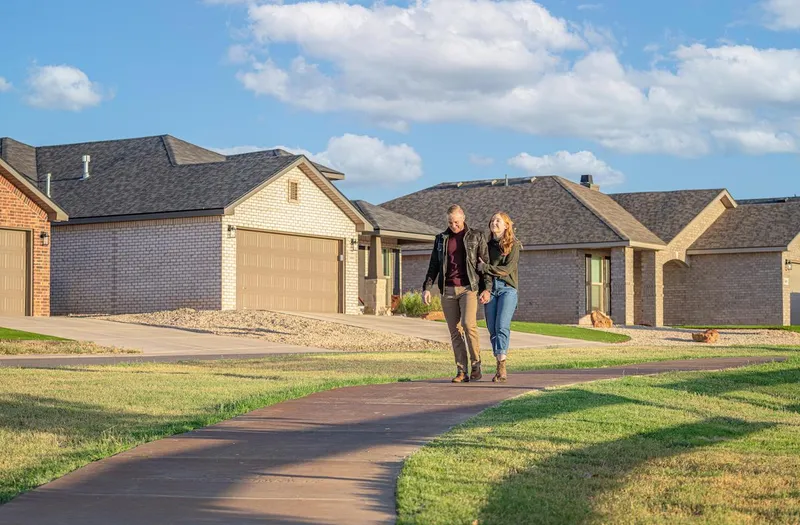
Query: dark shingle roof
{"points": [[137, 176], [384, 219], [546, 210], [666, 213], [158, 174], [21, 156], [753, 226]]}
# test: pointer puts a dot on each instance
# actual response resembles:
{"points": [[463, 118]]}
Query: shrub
{"points": [[411, 305]]}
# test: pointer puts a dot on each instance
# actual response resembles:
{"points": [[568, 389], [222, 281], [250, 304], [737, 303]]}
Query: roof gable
{"points": [[667, 213], [54, 212], [21, 156], [753, 226]]}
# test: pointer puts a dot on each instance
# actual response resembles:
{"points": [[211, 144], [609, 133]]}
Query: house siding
{"points": [[314, 214], [136, 266], [17, 211], [725, 289], [789, 276]]}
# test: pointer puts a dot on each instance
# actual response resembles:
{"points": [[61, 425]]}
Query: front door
{"points": [[598, 283]]}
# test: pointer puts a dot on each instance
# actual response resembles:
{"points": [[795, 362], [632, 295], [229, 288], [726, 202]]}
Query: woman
{"points": [[503, 266]]}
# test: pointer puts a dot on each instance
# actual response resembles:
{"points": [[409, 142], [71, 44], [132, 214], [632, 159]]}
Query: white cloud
{"points": [[62, 87], [5, 85], [565, 163], [782, 15], [757, 142], [480, 160], [514, 65], [363, 159], [238, 54]]}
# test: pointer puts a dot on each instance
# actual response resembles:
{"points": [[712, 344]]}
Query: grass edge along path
{"points": [[696, 447], [53, 421]]}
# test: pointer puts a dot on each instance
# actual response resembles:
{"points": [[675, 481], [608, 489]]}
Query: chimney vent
{"points": [[86, 160], [47, 184], [506, 179], [588, 182]]}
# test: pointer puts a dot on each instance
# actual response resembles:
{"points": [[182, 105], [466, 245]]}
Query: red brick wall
{"points": [[19, 212]]}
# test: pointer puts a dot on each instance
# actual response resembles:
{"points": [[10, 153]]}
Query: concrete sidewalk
{"points": [[436, 331], [158, 343], [329, 458]]}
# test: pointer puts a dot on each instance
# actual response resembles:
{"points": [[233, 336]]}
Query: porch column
{"points": [[375, 266], [375, 301], [622, 286], [652, 289]]}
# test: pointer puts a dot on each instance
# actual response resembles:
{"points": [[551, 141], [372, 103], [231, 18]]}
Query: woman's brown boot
{"points": [[500, 376]]}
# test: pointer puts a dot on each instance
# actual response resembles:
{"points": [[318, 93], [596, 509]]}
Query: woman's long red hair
{"points": [[508, 240]]}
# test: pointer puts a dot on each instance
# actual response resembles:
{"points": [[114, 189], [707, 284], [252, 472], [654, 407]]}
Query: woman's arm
{"points": [[503, 270]]}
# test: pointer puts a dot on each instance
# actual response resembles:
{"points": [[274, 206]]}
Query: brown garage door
{"points": [[13, 272], [287, 272]]}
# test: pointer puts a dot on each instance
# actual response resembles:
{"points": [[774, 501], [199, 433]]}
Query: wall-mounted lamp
{"points": [[45, 238], [788, 265], [353, 245], [231, 231]]}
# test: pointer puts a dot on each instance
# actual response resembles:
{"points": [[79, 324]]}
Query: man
{"points": [[454, 267]]}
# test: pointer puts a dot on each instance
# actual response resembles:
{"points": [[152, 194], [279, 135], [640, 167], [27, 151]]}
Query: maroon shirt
{"points": [[456, 260]]}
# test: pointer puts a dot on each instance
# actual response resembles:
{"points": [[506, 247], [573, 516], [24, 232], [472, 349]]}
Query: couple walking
{"points": [[471, 270]]}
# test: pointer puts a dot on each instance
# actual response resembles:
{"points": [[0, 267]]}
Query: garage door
{"points": [[287, 272], [13, 272]]}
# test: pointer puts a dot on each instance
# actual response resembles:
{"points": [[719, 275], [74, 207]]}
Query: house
{"points": [[25, 217], [157, 223], [655, 258]]}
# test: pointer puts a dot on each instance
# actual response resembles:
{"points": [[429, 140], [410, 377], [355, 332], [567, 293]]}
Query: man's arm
{"points": [[483, 255], [434, 266]]}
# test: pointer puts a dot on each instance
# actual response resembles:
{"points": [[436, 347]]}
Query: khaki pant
{"points": [[460, 306]]}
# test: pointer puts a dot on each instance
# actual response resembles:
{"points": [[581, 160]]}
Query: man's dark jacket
{"points": [[475, 244]]}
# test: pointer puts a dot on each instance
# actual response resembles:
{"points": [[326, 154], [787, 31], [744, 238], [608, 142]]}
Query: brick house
{"points": [[655, 258], [158, 223], [25, 217]]}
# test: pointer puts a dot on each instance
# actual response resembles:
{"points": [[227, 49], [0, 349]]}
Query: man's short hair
{"points": [[455, 209]]}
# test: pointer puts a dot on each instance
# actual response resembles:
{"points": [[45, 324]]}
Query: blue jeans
{"points": [[499, 311]]}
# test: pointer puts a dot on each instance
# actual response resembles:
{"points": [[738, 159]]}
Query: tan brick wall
{"points": [[18, 212], [792, 255], [743, 288], [314, 214], [622, 286], [137, 266]]}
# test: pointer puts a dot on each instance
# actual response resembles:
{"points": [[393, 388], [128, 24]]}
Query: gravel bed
{"points": [[282, 328], [667, 336]]}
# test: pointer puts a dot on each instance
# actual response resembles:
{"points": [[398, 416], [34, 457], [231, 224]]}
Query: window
{"points": [[294, 191], [598, 284]]}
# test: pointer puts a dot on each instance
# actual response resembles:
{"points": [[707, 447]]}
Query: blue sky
{"points": [[645, 95]]}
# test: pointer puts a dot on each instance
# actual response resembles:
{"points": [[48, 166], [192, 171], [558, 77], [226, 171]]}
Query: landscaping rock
{"points": [[601, 320], [709, 336], [433, 316]]}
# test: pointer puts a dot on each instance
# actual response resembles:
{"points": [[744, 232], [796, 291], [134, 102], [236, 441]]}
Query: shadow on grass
{"points": [[562, 488]]}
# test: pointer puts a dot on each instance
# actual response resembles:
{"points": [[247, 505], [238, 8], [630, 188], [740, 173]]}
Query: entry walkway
{"points": [[329, 458]]}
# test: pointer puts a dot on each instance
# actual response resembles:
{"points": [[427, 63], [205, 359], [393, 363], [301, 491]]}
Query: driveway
{"points": [[436, 331]]}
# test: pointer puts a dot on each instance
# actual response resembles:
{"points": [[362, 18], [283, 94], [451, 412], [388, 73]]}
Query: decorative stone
{"points": [[433, 316], [601, 320], [709, 336]]}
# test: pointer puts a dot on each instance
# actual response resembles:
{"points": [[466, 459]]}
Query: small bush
{"points": [[411, 305]]}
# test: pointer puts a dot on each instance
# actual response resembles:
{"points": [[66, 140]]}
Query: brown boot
{"points": [[476, 372], [500, 376], [461, 377]]}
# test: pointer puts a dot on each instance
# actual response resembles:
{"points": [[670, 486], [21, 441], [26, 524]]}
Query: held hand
{"points": [[426, 297], [485, 297]]}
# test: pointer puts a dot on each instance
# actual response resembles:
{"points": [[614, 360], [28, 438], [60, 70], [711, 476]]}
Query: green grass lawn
{"points": [[560, 330], [16, 342], [745, 327], [53, 421], [7, 334], [710, 447]]}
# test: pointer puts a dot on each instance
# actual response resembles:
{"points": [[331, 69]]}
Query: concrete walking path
{"points": [[329, 458]]}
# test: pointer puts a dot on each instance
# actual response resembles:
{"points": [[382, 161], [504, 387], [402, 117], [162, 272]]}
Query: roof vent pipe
{"points": [[86, 160], [47, 184], [506, 179]]}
